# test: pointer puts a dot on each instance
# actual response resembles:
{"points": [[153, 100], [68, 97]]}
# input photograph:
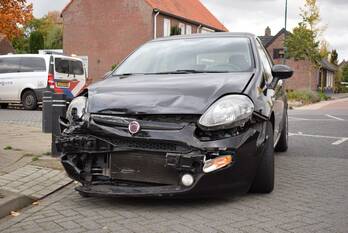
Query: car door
{"points": [[9, 70], [276, 94], [33, 74], [69, 76]]}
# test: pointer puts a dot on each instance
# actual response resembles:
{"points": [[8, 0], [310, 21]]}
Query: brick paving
{"points": [[20, 117], [310, 196], [33, 181]]}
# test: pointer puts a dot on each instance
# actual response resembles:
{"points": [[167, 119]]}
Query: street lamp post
{"points": [[286, 24]]}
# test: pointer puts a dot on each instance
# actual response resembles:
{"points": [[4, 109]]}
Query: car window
{"points": [[226, 54], [32, 64], [67, 66], [9, 65], [267, 65], [76, 67]]}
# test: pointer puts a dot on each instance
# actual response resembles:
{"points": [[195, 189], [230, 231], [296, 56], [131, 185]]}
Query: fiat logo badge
{"points": [[133, 127]]}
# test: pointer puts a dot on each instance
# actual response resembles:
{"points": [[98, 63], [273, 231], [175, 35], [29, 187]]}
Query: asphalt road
{"points": [[311, 192]]}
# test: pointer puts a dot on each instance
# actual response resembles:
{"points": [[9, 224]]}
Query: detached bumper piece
{"points": [[159, 161]]}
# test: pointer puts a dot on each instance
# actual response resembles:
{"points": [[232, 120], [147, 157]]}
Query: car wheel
{"points": [[85, 195], [29, 100], [282, 144], [4, 105], [264, 179]]}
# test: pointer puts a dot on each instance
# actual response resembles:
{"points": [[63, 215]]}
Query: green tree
{"points": [[50, 26], [303, 43], [36, 42], [310, 15], [345, 73], [334, 57]]}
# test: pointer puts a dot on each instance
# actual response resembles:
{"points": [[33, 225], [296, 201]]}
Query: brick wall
{"points": [[6, 47], [305, 74], [106, 31]]}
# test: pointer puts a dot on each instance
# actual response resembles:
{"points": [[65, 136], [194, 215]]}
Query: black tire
{"points": [[29, 100], [85, 195], [282, 145], [4, 105], [264, 179]]}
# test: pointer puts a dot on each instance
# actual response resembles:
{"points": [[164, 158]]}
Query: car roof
{"points": [[46, 56], [208, 35]]}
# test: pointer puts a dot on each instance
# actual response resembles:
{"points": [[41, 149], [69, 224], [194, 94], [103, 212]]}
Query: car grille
{"points": [[154, 122], [149, 145]]}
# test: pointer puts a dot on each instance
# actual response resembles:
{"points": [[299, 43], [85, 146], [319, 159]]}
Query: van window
{"points": [[66, 66], [9, 65], [32, 64]]}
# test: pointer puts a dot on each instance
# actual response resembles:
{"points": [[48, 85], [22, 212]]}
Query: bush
{"points": [[36, 42], [306, 96]]}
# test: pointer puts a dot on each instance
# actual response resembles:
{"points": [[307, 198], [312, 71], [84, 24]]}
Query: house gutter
{"points": [[155, 23], [199, 28]]}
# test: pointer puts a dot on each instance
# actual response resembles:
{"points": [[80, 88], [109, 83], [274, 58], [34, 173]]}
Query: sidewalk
{"points": [[27, 171], [323, 104]]}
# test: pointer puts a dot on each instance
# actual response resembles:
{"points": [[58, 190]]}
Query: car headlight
{"points": [[76, 108], [227, 112]]}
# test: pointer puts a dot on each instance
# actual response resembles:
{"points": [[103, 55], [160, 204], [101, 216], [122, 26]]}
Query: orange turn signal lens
{"points": [[217, 163]]}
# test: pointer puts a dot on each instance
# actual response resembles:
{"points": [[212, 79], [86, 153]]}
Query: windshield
{"points": [[224, 54]]}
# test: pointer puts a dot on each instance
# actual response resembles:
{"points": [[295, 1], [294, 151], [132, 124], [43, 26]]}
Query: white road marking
{"points": [[339, 140], [333, 117], [304, 119]]}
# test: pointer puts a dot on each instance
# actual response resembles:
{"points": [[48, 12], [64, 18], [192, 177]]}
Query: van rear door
{"points": [[69, 76]]}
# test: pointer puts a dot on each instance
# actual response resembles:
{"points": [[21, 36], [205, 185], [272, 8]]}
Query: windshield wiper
{"points": [[126, 74], [190, 72]]}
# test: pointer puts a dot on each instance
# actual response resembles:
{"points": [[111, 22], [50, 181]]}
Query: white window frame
{"points": [[166, 27], [182, 27], [188, 29], [206, 30]]}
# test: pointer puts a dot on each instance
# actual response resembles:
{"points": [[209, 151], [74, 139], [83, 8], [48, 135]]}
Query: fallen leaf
{"points": [[14, 213]]}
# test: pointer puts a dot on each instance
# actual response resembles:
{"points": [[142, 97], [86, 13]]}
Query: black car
{"points": [[184, 115]]}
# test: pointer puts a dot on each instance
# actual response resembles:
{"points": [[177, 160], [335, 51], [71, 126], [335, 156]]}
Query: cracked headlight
{"points": [[76, 108], [227, 112]]}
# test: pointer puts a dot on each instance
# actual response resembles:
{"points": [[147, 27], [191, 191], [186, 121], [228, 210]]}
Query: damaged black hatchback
{"points": [[185, 115]]}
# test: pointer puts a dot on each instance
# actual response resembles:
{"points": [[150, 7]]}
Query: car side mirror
{"points": [[282, 72]]}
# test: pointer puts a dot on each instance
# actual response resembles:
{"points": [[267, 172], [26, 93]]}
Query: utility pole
{"points": [[285, 26]]}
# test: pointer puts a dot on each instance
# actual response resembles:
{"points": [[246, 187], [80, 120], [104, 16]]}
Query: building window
{"points": [[188, 29], [206, 30], [329, 80], [278, 53], [166, 27], [182, 28]]}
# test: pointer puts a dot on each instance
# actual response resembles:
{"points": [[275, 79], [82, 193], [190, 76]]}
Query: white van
{"points": [[24, 78]]}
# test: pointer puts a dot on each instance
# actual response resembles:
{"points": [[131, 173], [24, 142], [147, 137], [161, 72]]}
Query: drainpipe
{"points": [[155, 23], [199, 28]]}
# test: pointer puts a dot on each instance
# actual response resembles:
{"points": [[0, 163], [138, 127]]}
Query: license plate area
{"points": [[142, 167], [63, 84]]}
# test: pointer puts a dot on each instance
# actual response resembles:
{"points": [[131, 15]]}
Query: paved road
{"points": [[311, 194]]}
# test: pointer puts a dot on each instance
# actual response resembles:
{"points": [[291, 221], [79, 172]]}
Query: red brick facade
{"points": [[5, 45], [107, 31], [305, 74]]}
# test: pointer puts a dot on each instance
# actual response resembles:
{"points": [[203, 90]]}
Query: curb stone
{"points": [[10, 201]]}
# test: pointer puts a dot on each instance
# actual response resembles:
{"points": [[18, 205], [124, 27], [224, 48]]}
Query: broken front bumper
{"points": [[108, 161]]}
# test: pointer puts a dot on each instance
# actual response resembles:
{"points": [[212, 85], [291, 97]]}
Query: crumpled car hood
{"points": [[163, 94]]}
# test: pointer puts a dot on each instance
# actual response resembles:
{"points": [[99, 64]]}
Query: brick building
{"points": [[107, 31], [5, 45], [306, 76]]}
